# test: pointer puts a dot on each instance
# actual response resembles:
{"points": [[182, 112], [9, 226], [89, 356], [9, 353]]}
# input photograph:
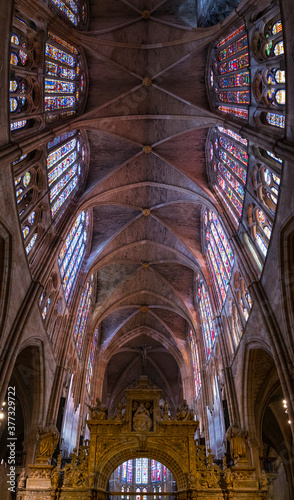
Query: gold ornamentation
{"points": [[145, 265], [238, 439], [76, 473], [146, 212], [183, 412], [147, 149], [144, 309], [145, 14], [99, 411]]}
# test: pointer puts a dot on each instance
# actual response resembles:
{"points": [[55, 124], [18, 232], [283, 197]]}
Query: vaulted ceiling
{"points": [[147, 118]]}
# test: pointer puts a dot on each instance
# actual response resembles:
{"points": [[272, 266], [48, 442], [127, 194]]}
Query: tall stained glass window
{"points": [[196, 364], [158, 471], [138, 470], [124, 472], [229, 76], [144, 496], [145, 470], [130, 471], [72, 253], [64, 79], [206, 316], [82, 317], [91, 362], [164, 473], [220, 255], [229, 162], [72, 10], [65, 160], [153, 471]]}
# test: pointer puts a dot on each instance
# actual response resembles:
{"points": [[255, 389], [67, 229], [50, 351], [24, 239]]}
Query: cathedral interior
{"points": [[146, 249]]}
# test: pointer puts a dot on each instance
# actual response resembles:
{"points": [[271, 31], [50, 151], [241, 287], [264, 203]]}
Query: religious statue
{"points": [[142, 420], [238, 440], [99, 411], [47, 441], [166, 411], [183, 412], [119, 412]]}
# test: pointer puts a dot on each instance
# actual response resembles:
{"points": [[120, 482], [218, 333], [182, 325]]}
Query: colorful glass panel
{"points": [[90, 366], [238, 96], [130, 471], [69, 10], [231, 35], [196, 364], [72, 253], [275, 120], [62, 42], [138, 470], [31, 243], [241, 79], [145, 471], [234, 48], [234, 149], [238, 112], [59, 86], [153, 471], [17, 125], [59, 139], [82, 317], [235, 64], [279, 48], [59, 55], [124, 472], [233, 135], [158, 471]]}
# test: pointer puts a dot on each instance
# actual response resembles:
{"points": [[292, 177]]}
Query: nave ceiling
{"points": [[146, 88]]}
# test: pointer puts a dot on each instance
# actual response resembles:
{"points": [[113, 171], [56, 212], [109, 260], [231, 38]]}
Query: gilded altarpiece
{"points": [[143, 428]]}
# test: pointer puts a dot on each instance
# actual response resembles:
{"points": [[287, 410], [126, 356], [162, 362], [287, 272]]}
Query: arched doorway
{"points": [[142, 478]]}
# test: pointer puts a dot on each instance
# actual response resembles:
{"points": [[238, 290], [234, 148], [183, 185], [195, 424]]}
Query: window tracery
{"points": [[196, 364], [228, 163], [269, 81], [220, 255], [24, 87], [229, 75], [72, 253]]}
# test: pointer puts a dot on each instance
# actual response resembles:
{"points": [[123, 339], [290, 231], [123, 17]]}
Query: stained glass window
{"points": [[124, 472], [153, 471], [130, 471], [229, 160], [82, 316], [73, 10], [206, 316], [62, 82], [64, 171], [158, 473], [138, 497], [72, 253], [196, 364], [144, 470], [275, 119], [230, 79], [144, 496], [164, 473], [220, 255], [138, 470], [91, 362]]}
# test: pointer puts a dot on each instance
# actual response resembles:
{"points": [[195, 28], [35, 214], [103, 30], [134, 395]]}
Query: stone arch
{"points": [[155, 451]]}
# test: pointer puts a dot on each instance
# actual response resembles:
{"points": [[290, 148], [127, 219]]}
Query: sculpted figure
{"points": [[48, 439], [238, 439], [142, 420], [99, 411], [183, 412]]}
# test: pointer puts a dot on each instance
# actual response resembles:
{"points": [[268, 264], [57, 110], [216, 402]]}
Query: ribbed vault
{"points": [[147, 119]]}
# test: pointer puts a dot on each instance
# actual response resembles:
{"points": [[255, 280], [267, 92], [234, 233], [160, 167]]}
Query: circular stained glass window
{"points": [[26, 179]]}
